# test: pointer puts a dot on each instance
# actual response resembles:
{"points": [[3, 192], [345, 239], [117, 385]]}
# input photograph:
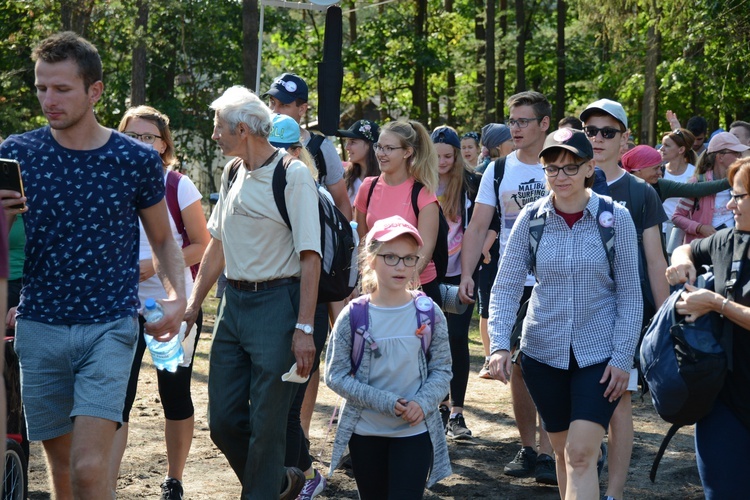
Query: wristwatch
{"points": [[306, 329]]}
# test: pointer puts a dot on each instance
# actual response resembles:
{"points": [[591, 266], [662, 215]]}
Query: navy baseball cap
{"points": [[446, 135], [287, 88], [571, 140]]}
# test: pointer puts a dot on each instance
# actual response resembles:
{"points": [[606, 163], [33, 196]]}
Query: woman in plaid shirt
{"points": [[584, 315]]}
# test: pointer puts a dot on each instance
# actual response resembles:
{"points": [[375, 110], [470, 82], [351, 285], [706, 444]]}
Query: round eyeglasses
{"points": [[147, 138], [391, 259]]}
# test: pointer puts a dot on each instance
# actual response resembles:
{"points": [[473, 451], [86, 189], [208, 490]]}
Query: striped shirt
{"points": [[575, 302]]}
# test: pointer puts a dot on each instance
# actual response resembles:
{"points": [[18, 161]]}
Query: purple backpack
{"points": [[359, 322]]}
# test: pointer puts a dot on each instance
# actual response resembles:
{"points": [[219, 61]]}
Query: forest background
{"points": [[449, 62]]}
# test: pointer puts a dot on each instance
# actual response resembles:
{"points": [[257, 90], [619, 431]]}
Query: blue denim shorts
{"points": [[71, 370]]}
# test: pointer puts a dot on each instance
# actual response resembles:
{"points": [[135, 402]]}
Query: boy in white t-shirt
{"points": [[523, 182]]}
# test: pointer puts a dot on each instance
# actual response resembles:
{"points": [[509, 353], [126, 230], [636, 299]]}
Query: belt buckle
{"points": [[255, 285]]}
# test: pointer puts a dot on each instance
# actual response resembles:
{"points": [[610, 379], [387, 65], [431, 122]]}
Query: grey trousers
{"points": [[247, 401]]}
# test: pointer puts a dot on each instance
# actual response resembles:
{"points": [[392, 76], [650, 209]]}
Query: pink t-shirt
{"points": [[388, 201]]}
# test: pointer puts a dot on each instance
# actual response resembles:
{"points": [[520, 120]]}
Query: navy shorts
{"points": [[562, 396]]}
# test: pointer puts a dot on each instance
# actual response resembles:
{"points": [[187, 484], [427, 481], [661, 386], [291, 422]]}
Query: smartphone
{"points": [[10, 178]]}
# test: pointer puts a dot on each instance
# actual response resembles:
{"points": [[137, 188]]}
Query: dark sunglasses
{"points": [[607, 132]]}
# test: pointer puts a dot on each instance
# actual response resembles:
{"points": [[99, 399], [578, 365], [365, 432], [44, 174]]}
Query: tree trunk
{"points": [[489, 83], [450, 81], [419, 90], [480, 35], [75, 15], [250, 41], [560, 93], [653, 54], [138, 75], [520, 46], [503, 21], [359, 109]]}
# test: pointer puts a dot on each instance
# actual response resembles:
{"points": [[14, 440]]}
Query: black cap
{"points": [[571, 140], [361, 129], [287, 88]]}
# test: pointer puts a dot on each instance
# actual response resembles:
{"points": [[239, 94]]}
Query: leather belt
{"points": [[259, 286]]}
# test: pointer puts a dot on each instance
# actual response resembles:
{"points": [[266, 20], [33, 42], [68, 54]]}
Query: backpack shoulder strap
{"points": [[278, 185], [665, 442], [537, 222], [314, 148], [638, 201], [359, 323], [499, 174], [372, 188], [425, 319], [233, 168], [607, 232], [173, 203], [415, 189]]}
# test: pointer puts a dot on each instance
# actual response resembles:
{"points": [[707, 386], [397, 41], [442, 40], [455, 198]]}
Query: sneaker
{"points": [[456, 428], [171, 489], [295, 481], [445, 414], [524, 463], [485, 371], [313, 487], [545, 471], [602, 459]]}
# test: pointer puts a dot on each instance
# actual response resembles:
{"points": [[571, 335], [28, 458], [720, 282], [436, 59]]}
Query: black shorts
{"points": [[486, 278], [562, 396]]}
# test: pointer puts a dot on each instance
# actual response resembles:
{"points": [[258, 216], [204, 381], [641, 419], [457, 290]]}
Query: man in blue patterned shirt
{"points": [[86, 186]]}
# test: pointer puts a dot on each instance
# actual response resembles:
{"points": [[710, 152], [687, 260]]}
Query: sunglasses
{"points": [[607, 132]]}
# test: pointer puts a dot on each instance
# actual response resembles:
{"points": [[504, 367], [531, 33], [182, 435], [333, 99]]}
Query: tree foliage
{"points": [[194, 50]]}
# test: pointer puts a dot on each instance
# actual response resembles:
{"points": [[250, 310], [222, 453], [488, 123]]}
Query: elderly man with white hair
{"points": [[264, 323]]}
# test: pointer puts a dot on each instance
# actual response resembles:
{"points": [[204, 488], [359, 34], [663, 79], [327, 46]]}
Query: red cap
{"points": [[390, 228]]}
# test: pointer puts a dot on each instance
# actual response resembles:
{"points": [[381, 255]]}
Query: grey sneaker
{"points": [[524, 463], [171, 489], [445, 414], [456, 428], [545, 471]]}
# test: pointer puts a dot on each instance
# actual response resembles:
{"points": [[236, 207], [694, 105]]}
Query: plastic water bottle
{"points": [[355, 233], [165, 355]]}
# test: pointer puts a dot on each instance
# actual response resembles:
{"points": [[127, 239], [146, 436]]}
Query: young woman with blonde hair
{"points": [[408, 163]]}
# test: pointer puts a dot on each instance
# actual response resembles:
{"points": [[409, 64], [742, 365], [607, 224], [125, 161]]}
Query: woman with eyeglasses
{"points": [[408, 165], [188, 223], [584, 314], [722, 438], [457, 190], [702, 217], [359, 140]]}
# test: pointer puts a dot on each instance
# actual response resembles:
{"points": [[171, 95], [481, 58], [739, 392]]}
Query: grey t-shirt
{"points": [[396, 370], [334, 167]]}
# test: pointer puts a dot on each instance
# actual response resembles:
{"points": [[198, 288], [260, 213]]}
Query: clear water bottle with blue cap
{"points": [[165, 355]]}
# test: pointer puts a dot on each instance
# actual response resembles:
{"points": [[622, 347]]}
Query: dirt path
{"points": [[477, 464]]}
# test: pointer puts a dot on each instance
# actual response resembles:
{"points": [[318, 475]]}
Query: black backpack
{"points": [[685, 364], [440, 253], [313, 147], [338, 262]]}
